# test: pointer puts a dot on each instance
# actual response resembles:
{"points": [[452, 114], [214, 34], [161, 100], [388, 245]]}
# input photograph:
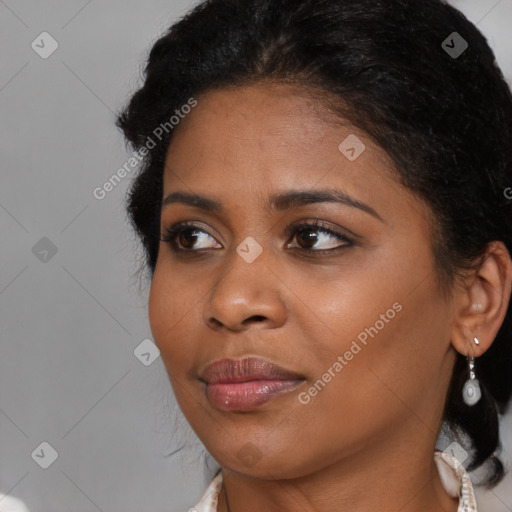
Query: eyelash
{"points": [[172, 232]]}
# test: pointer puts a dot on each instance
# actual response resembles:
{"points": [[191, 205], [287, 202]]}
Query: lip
{"points": [[244, 384]]}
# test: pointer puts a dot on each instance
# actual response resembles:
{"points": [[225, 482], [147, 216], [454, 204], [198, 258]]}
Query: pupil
{"points": [[190, 234], [311, 236]]}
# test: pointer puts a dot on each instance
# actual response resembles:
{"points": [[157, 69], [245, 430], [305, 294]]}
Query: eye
{"points": [[187, 235], [307, 234]]}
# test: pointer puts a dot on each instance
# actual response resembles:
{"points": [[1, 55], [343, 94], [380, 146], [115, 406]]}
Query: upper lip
{"points": [[225, 371]]}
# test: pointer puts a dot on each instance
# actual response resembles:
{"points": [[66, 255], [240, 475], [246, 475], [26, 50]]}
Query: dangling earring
{"points": [[471, 393]]}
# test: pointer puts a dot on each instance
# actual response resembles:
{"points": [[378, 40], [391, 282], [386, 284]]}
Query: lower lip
{"points": [[244, 396]]}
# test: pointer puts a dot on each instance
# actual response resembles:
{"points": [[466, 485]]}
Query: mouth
{"points": [[244, 384]]}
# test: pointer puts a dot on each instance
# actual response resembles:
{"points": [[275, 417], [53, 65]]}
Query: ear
{"points": [[481, 302]]}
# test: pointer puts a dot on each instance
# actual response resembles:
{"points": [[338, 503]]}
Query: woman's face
{"points": [[356, 322]]}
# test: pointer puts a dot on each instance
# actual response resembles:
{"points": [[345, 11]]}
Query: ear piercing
{"points": [[471, 392]]}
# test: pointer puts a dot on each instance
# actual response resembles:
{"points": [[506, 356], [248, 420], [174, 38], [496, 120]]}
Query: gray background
{"points": [[71, 321]]}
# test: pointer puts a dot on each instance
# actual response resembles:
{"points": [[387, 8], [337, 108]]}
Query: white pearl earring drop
{"points": [[471, 392]]}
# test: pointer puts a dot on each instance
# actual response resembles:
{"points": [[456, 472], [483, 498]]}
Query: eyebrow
{"points": [[276, 202]]}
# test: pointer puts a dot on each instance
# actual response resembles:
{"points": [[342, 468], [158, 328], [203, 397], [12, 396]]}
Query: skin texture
{"points": [[365, 442]]}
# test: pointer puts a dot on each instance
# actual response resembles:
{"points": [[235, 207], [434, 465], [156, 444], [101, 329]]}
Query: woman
{"points": [[324, 205]]}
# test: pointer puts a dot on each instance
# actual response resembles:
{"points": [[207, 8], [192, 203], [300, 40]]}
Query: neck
{"points": [[403, 478]]}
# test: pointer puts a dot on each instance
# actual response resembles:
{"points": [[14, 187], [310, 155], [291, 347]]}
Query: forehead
{"points": [[271, 133]]}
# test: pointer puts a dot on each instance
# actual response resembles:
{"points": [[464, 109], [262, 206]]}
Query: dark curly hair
{"points": [[385, 66]]}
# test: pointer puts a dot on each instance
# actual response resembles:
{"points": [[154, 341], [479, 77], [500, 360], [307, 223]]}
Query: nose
{"points": [[246, 295]]}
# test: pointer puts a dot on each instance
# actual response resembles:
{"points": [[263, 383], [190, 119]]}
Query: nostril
{"points": [[215, 322], [257, 317]]}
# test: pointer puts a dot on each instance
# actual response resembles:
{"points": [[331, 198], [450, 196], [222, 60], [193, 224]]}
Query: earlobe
{"points": [[482, 302]]}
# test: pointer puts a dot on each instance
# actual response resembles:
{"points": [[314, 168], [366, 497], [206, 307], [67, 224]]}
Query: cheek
{"points": [[159, 308], [392, 335], [169, 308]]}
